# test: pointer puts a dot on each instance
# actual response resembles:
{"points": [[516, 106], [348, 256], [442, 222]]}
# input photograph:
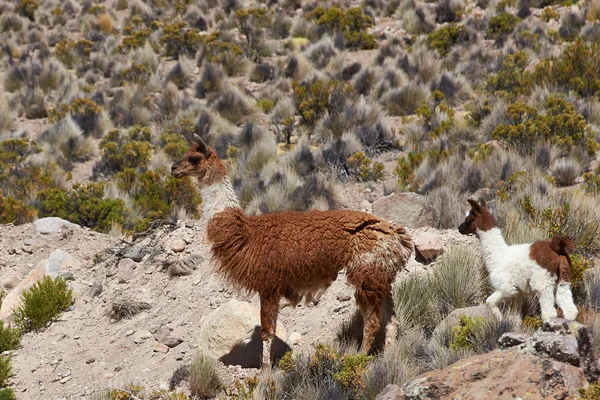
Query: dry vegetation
{"points": [[300, 100]]}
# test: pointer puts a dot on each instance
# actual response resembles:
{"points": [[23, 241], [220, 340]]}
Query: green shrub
{"points": [[532, 322], [577, 68], [73, 53], [592, 392], [312, 99], [252, 22], [352, 23], [27, 8], [10, 338], [406, 168], [137, 73], [225, 53], [7, 394], [559, 124], [5, 370], [352, 371], [363, 167], [591, 180], [501, 25], [512, 77], [204, 381], [119, 152], [179, 40], [13, 211], [83, 204], [136, 34], [444, 38], [464, 334], [43, 303]]}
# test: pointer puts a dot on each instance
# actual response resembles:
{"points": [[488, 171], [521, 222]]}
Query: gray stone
{"points": [[160, 348], [60, 260], [136, 253], [178, 245], [53, 225], [96, 289], [10, 282], [344, 297], [511, 339], [126, 267], [428, 246], [29, 242], [67, 275], [562, 326], [407, 209], [390, 392], [563, 348], [172, 342], [189, 224]]}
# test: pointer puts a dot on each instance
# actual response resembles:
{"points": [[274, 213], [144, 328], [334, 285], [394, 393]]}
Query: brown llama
{"points": [[296, 254]]}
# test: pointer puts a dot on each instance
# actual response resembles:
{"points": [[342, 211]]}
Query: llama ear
{"points": [[475, 205], [202, 147], [187, 139], [483, 203]]}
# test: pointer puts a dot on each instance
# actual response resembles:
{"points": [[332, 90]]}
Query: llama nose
{"points": [[173, 167]]}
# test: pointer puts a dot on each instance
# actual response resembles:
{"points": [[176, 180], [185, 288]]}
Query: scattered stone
{"points": [[562, 348], [10, 282], [407, 209], [90, 360], [136, 253], [428, 246], [172, 342], [231, 334], [141, 335], [13, 299], [65, 380], [27, 250], [60, 260], [29, 242], [129, 332], [512, 339], [189, 224], [96, 289], [53, 225], [178, 245], [294, 339], [126, 267], [160, 348], [344, 297], [561, 326], [67, 275]]}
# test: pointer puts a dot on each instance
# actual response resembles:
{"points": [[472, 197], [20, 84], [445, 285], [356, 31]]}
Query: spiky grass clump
{"points": [[125, 307], [43, 303], [565, 171], [204, 382]]}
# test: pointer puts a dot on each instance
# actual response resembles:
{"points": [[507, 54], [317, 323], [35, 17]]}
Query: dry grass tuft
{"points": [[126, 307]]}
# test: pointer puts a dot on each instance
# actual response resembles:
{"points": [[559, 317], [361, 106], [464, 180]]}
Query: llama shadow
{"points": [[249, 354]]}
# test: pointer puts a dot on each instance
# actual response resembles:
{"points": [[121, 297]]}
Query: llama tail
{"points": [[562, 245], [406, 243]]}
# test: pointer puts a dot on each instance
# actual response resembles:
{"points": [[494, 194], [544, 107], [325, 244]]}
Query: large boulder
{"points": [[53, 225], [407, 209], [453, 318], [498, 375], [231, 334], [428, 246], [13, 299]]}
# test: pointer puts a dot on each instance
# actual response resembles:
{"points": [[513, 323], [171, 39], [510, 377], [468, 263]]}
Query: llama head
{"points": [[477, 219], [200, 161]]}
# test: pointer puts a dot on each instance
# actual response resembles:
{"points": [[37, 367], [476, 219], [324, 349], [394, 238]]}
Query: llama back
{"points": [[303, 250]]}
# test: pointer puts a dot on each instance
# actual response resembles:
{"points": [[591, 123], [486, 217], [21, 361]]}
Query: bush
{"points": [[27, 8], [204, 382], [512, 77], [351, 23], [360, 165], [463, 334], [5, 372], [577, 68], [444, 38], [120, 152], [85, 112], [565, 171], [312, 99], [7, 394], [502, 25], [560, 125], [43, 303], [179, 40], [10, 338]]}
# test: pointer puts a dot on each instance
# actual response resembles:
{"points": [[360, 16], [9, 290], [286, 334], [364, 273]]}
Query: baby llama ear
{"points": [[202, 147], [475, 205]]}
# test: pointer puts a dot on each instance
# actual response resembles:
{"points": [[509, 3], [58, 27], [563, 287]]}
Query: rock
{"points": [[29, 242], [126, 267], [172, 342], [13, 299], [454, 317], [407, 209], [65, 379], [231, 334], [178, 245], [390, 392], [294, 339], [344, 297], [53, 225], [511, 339], [189, 224], [10, 282], [500, 374], [562, 348], [60, 260], [160, 348], [90, 360], [562, 326], [365, 205], [96, 289], [136, 253], [141, 335], [428, 246], [67, 275]]}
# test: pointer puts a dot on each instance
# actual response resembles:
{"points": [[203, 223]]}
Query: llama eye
{"points": [[194, 160]]}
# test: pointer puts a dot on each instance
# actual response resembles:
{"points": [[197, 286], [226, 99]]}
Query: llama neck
{"points": [[218, 197], [493, 246]]}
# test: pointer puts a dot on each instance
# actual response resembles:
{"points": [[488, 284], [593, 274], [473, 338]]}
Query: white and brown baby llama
{"points": [[542, 267], [295, 254]]}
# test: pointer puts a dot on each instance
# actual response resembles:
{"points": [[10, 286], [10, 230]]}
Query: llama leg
{"points": [[269, 307], [372, 319], [546, 298], [389, 318], [492, 303], [564, 299]]}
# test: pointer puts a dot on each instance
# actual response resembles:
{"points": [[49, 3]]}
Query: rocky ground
{"points": [[86, 350]]}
